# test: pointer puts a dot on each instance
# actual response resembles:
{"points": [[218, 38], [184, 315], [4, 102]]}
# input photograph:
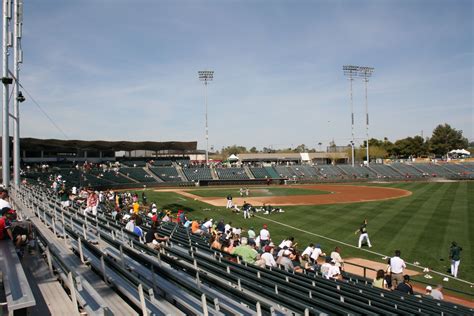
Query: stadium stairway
{"points": [[214, 173], [180, 172], [248, 172]]}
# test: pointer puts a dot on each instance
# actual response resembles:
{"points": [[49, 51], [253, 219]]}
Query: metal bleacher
{"points": [[18, 293], [138, 174], [232, 173], [407, 170], [358, 172], [260, 172], [197, 173], [167, 174], [329, 171], [188, 277], [386, 172]]}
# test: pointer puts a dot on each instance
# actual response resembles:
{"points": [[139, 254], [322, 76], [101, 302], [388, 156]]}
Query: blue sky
{"points": [[127, 70]]}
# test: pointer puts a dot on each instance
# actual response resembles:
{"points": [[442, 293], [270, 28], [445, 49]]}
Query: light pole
{"points": [[6, 43], [205, 76], [18, 96], [353, 151], [351, 72], [366, 73]]}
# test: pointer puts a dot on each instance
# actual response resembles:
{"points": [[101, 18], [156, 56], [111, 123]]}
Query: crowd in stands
{"points": [[252, 246]]}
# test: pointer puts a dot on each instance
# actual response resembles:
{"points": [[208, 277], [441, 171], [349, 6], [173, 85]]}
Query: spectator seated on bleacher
{"points": [[329, 270], [380, 281], [17, 231], [5, 223], [268, 257], [195, 227], [215, 241], [153, 239], [206, 226], [4, 199], [405, 287], [248, 253], [286, 261], [306, 264]]}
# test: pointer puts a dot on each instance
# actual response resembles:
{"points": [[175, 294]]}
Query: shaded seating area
{"points": [[167, 174], [138, 174], [260, 173], [133, 163], [232, 173], [111, 176], [197, 173]]}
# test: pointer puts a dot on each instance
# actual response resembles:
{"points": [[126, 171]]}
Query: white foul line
{"points": [[370, 251]]}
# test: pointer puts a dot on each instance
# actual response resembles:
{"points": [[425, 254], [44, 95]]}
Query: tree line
{"points": [[443, 139]]}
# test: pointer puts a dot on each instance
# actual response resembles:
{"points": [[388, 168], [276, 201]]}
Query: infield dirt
{"points": [[337, 194]]}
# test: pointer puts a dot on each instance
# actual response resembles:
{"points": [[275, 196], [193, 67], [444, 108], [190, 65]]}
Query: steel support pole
{"points": [[5, 126], [16, 103], [207, 129], [367, 120], [352, 123]]}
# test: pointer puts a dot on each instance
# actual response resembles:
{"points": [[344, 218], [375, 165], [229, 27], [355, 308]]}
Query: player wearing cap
{"points": [[363, 234]]}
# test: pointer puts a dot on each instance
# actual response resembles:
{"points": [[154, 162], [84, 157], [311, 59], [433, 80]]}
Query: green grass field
{"points": [[422, 225], [256, 191]]}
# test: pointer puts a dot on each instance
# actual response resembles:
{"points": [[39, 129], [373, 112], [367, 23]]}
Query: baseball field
{"points": [[421, 219]]}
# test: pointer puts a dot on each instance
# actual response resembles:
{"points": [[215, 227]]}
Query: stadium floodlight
{"points": [[350, 72], [206, 76], [366, 73]]}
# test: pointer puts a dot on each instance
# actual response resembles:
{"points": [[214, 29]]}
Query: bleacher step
{"points": [[51, 298]]}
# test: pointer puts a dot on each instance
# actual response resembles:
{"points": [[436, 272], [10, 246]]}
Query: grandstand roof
{"points": [[35, 144]]}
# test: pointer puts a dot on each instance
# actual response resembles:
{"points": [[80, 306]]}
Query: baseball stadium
{"points": [[101, 223]]}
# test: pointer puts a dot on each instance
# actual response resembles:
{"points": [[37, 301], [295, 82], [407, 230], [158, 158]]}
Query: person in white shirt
{"points": [[268, 257], [206, 227], [396, 268], [4, 199], [228, 227], [130, 225], [317, 252], [308, 251], [437, 294], [326, 267], [264, 236], [334, 271], [336, 257], [287, 242]]}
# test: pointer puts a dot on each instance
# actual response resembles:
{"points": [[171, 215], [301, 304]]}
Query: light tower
{"points": [[350, 72], [366, 73], [206, 76]]}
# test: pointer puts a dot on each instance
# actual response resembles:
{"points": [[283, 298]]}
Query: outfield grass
{"points": [[422, 225], [254, 192]]}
